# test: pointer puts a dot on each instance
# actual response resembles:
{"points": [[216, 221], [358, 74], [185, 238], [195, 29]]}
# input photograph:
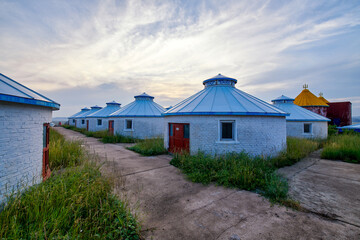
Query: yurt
{"points": [[221, 119], [72, 118], [301, 122], [81, 121], [308, 100], [140, 119], [99, 120], [24, 136]]}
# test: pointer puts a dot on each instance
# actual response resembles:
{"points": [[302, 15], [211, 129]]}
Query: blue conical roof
{"points": [[81, 112], [110, 108], [220, 97], [12, 91], [297, 113], [87, 113], [143, 106]]}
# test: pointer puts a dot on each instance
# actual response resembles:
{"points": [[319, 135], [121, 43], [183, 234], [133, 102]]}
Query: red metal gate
{"points": [[46, 168], [111, 127], [179, 134], [87, 125]]}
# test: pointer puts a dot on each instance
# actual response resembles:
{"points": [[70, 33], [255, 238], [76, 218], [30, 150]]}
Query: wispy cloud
{"points": [[167, 48]]}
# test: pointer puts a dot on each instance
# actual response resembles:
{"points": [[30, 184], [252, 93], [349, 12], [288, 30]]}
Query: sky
{"points": [[85, 52]]}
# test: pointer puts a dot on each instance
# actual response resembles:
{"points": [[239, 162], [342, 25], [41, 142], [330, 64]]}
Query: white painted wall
{"points": [[93, 127], [143, 127], [21, 145], [256, 135], [79, 123], [296, 129], [71, 122]]}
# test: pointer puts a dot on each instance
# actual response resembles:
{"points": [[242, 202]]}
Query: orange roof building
{"points": [[308, 100], [323, 99]]}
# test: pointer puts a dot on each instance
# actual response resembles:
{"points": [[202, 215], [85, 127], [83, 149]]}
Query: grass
{"points": [[104, 135], [235, 170], [150, 147], [64, 153], [344, 147], [74, 203], [241, 171], [297, 149]]}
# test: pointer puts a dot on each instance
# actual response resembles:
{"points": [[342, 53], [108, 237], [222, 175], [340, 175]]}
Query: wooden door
{"points": [[179, 134], [87, 125], [111, 127], [46, 136]]}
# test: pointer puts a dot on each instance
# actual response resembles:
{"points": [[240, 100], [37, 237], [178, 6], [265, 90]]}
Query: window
{"points": [[99, 122], [227, 130], [186, 131], [171, 129], [73, 120], [82, 121], [128, 124], [307, 128]]}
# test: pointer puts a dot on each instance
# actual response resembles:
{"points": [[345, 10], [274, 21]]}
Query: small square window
{"points": [[128, 124], [82, 121], [73, 120], [99, 122], [227, 130], [307, 127]]}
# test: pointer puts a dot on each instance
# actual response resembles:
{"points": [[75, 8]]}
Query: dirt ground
{"points": [[171, 207]]}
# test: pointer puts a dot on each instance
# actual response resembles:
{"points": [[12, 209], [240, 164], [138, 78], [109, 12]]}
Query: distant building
{"points": [[80, 119], [24, 136], [221, 119], [99, 120], [308, 100], [72, 118], [140, 119], [338, 112], [301, 122]]}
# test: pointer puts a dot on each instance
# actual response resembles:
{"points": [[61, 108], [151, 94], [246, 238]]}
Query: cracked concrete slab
{"points": [[172, 207], [330, 188]]}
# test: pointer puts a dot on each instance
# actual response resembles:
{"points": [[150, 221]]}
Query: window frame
{"points": [[234, 131], [97, 122], [125, 124], [310, 129], [82, 121]]}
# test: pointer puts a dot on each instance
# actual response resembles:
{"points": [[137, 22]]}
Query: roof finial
{"points": [[305, 86], [321, 94]]}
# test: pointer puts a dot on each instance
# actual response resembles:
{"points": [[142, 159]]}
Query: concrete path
{"points": [[172, 207]]}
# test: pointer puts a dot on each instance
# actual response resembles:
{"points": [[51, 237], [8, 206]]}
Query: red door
{"points": [[111, 127], [179, 134], [46, 168], [87, 125]]}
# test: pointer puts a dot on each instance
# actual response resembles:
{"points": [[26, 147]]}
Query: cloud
{"points": [[167, 48]]}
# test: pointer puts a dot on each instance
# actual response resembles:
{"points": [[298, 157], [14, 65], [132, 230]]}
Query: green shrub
{"points": [[297, 149], [64, 153], [332, 130], [150, 147], [97, 134], [234, 170], [76, 204], [345, 147], [117, 138]]}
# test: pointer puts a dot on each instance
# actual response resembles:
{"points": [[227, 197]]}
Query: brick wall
{"points": [[93, 127], [296, 129], [21, 145], [256, 135], [143, 127]]}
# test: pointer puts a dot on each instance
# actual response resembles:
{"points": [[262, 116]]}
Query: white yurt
{"points": [[24, 136], [302, 123], [72, 118], [140, 119], [99, 120], [81, 121], [221, 119]]}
